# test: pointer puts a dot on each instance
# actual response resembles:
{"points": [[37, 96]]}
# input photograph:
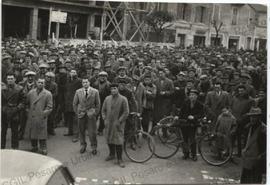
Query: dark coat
{"points": [[13, 101], [104, 90], [163, 104], [196, 111], [132, 104], [72, 86], [254, 154], [215, 103]]}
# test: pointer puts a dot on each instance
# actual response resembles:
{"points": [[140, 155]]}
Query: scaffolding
{"points": [[120, 25]]}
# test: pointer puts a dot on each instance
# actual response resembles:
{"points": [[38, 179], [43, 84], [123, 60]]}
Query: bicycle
{"points": [[214, 148], [139, 146]]}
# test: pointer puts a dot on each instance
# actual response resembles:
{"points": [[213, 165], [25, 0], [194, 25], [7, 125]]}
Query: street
{"points": [[89, 169]]}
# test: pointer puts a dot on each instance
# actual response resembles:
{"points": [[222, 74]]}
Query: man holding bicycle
{"points": [[191, 111]]}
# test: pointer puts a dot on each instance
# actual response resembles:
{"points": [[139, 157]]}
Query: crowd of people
{"points": [[45, 85]]}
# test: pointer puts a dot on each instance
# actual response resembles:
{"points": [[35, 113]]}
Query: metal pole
{"points": [[57, 29], [49, 26]]}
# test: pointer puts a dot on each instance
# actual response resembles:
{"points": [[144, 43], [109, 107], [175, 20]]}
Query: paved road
{"points": [[89, 169]]}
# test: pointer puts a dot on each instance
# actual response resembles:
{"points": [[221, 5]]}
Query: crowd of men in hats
{"points": [[44, 85]]}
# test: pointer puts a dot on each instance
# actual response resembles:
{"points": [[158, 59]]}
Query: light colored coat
{"points": [[89, 105], [115, 112], [39, 107]]}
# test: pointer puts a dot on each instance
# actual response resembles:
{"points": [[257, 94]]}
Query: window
{"points": [[97, 20], [234, 16], [182, 11], [200, 14]]}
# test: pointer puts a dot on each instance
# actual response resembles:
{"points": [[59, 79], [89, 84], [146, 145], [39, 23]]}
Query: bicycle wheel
{"points": [[166, 145], [139, 147], [215, 149]]}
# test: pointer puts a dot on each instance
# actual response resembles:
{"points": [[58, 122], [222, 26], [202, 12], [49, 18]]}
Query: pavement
{"points": [[89, 169]]}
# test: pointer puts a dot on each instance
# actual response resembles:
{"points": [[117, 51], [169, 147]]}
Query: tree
{"points": [[217, 29], [157, 20]]}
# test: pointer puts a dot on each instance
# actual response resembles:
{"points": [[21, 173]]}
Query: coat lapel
{"points": [[38, 96]]}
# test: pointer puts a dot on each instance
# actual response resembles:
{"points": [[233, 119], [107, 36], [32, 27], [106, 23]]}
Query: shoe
{"points": [[43, 152], [83, 149], [100, 133], [121, 163], [35, 150], [74, 140], [68, 134], [109, 158], [194, 158], [185, 157]]}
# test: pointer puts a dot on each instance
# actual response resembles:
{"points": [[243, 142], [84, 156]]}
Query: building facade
{"points": [[242, 25]]}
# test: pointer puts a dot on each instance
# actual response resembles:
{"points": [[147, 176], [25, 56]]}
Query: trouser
{"points": [[72, 123], [14, 124], [50, 125], [129, 127], [118, 149], [42, 144], [146, 117], [23, 120], [101, 121], [251, 176], [90, 125], [189, 144], [101, 124]]}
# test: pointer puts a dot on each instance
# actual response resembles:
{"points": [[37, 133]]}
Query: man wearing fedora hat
{"points": [[254, 153]]}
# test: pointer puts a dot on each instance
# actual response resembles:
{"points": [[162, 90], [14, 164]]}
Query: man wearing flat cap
{"points": [[27, 85], [254, 153], [115, 111], [43, 69], [123, 76], [246, 80], [103, 87], [109, 71], [191, 111]]}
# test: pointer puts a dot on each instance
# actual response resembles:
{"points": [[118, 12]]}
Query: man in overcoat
{"points": [[39, 105], [86, 105], [115, 111], [254, 154]]}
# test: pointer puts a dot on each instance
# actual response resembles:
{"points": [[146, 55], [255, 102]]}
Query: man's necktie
{"points": [[86, 93]]}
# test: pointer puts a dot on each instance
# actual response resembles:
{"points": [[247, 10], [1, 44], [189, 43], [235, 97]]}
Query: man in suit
{"points": [[191, 111], [86, 105], [39, 106], [216, 100], [254, 154], [12, 104], [165, 90]]}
